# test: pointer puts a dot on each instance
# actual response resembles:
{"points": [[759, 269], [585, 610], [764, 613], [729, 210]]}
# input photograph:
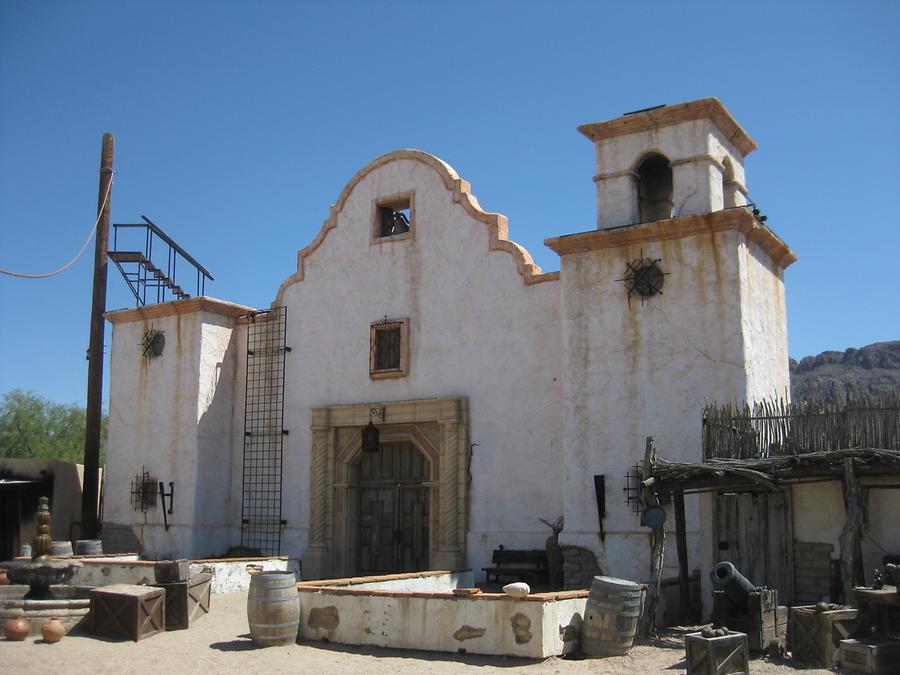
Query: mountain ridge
{"points": [[834, 375]]}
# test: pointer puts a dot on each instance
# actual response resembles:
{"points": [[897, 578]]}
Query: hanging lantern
{"points": [[370, 436]]}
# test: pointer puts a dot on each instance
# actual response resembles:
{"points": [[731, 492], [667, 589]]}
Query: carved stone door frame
{"points": [[438, 427]]}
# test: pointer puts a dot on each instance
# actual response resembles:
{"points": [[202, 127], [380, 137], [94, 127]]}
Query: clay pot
{"points": [[17, 628], [4, 580], [53, 630]]}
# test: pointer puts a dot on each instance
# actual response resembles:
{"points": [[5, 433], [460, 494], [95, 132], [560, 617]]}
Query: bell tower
{"points": [[675, 299], [668, 162]]}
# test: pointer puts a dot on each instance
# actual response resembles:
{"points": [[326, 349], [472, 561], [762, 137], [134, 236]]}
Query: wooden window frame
{"points": [[388, 373]]}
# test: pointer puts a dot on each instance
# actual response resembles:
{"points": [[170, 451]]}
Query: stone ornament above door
{"points": [[438, 428]]}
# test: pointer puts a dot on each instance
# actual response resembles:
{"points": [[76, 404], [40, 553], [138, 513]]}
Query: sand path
{"points": [[220, 643]]}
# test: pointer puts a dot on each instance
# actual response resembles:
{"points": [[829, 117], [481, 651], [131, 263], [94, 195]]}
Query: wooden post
{"points": [[91, 486], [647, 626], [657, 555], [684, 589], [850, 534]]}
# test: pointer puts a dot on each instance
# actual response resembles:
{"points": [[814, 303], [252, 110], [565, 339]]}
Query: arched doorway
{"points": [[438, 429], [392, 509]]}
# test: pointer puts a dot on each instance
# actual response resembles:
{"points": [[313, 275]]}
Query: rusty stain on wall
{"points": [[324, 618], [521, 625]]}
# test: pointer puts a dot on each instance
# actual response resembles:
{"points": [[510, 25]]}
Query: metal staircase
{"points": [[143, 274]]}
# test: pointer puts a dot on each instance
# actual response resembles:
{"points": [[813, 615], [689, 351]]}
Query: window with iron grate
{"points": [[389, 349]]}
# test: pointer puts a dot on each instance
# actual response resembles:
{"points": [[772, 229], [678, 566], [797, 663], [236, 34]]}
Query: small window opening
{"points": [[655, 189], [388, 355], [387, 348], [393, 219]]}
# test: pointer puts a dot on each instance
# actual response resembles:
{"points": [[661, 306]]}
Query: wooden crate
{"points": [[879, 611], [781, 626], [870, 656], [814, 637], [170, 571], [128, 612], [759, 619], [716, 655], [186, 601]]}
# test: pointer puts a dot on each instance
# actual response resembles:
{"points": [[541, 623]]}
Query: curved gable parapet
{"points": [[496, 222]]}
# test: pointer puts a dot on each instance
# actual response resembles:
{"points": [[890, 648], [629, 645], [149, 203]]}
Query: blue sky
{"points": [[238, 124]]}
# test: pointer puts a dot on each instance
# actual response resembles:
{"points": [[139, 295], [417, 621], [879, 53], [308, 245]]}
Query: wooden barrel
{"points": [[610, 617], [273, 608], [88, 546], [61, 549]]}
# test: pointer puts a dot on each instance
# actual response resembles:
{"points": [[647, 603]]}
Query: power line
{"points": [[77, 255]]}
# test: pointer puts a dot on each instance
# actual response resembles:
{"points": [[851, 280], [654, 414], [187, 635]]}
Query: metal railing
{"points": [[143, 273]]}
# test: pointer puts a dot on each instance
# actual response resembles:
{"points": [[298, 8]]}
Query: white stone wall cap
{"points": [[201, 303], [670, 115]]}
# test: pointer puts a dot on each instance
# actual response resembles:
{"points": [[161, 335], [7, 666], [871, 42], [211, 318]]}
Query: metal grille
{"points": [[387, 347], [143, 491], [264, 432]]}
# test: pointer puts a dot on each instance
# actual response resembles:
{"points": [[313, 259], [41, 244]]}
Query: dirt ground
{"points": [[219, 643]]}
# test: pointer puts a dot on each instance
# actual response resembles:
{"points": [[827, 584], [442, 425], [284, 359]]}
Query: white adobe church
{"points": [[500, 391]]}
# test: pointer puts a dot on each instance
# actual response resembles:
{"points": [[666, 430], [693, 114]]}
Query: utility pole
{"points": [[90, 492]]}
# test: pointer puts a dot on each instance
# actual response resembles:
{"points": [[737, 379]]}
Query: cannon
{"points": [[725, 577]]}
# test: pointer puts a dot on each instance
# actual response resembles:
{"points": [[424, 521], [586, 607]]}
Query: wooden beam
{"points": [[684, 589], [850, 534]]}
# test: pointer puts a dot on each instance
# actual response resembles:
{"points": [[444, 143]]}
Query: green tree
{"points": [[32, 426]]}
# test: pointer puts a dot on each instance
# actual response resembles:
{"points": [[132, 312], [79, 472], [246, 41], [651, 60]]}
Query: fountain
{"points": [[37, 589]]}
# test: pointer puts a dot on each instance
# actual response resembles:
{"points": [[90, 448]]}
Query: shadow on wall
{"points": [[213, 504]]}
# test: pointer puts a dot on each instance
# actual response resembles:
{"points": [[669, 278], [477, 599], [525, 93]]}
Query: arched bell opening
{"points": [[654, 175]]}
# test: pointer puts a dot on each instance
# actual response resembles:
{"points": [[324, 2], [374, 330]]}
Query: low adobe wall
{"points": [[421, 611], [229, 575]]}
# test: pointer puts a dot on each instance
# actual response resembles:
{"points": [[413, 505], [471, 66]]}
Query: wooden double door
{"points": [[755, 532], [393, 512]]}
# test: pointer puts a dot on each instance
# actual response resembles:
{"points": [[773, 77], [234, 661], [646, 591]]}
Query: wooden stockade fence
{"points": [[776, 428]]}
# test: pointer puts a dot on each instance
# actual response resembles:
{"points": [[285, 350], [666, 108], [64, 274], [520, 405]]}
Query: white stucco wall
{"points": [[819, 514], [217, 468], [764, 324], [634, 371], [882, 536], [476, 330], [172, 414], [637, 370], [498, 625], [818, 511]]}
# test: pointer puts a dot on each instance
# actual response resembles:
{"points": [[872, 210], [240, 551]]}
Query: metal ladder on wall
{"points": [[264, 432]]}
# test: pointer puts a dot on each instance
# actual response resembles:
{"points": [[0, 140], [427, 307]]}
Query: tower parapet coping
{"points": [[705, 108]]}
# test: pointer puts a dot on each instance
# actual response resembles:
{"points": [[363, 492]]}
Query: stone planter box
{"points": [[420, 611]]}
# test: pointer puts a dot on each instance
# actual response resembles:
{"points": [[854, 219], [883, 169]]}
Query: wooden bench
{"points": [[527, 565]]}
